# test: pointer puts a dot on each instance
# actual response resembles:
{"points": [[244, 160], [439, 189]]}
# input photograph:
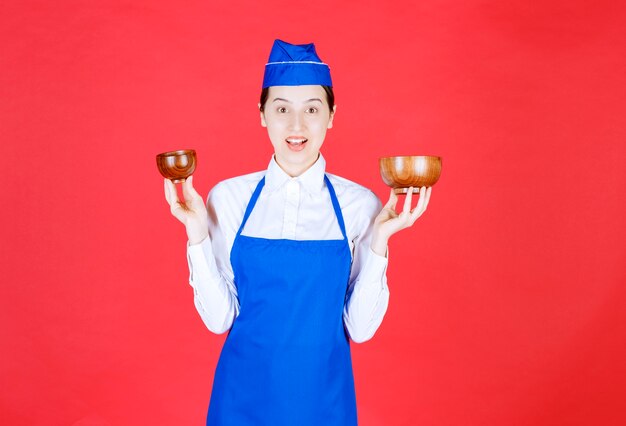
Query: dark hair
{"points": [[330, 97]]}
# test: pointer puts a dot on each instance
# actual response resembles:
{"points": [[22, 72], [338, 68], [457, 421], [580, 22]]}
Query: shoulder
{"points": [[236, 188], [352, 195], [228, 199]]}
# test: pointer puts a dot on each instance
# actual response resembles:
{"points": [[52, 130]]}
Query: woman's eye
{"points": [[312, 110], [282, 109]]}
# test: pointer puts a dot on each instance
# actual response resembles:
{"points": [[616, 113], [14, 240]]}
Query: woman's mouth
{"points": [[296, 143]]}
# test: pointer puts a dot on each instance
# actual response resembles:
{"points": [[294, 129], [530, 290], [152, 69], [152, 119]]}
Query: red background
{"points": [[507, 296]]}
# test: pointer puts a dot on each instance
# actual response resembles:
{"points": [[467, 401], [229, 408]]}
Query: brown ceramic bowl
{"points": [[177, 165], [402, 172]]}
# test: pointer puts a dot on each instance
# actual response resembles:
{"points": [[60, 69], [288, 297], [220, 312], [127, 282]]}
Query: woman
{"points": [[291, 261]]}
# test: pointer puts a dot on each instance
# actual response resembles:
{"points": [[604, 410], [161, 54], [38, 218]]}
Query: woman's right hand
{"points": [[192, 212]]}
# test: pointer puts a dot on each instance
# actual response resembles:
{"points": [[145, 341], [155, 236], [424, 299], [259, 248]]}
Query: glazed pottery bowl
{"points": [[177, 165], [402, 172]]}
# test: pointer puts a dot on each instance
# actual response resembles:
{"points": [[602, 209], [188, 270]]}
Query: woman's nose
{"points": [[296, 122]]}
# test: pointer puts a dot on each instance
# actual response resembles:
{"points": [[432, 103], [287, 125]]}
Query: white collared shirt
{"points": [[296, 208]]}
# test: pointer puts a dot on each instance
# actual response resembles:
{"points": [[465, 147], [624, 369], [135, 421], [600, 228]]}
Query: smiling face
{"points": [[296, 118]]}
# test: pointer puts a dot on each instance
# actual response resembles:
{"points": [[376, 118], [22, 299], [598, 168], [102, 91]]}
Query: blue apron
{"points": [[286, 360]]}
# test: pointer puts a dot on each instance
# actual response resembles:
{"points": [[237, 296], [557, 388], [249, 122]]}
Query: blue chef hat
{"points": [[295, 65]]}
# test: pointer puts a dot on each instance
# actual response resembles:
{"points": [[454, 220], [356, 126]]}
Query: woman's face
{"points": [[296, 118]]}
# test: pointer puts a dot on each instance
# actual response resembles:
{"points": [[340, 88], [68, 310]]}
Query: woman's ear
{"points": [[332, 115], [263, 123]]}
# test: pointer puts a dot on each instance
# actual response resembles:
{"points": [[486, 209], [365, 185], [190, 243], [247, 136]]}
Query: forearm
{"points": [[215, 297], [368, 299]]}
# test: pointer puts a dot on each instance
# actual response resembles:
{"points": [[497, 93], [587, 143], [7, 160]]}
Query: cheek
{"points": [[276, 134], [320, 127], [275, 122]]}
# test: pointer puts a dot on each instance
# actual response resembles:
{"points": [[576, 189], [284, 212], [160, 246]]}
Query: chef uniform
{"points": [[286, 360]]}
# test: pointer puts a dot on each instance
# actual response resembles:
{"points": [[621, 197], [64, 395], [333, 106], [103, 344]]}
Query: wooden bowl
{"points": [[177, 165], [403, 172]]}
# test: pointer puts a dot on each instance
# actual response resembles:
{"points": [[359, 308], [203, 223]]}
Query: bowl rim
{"points": [[177, 153], [410, 156]]}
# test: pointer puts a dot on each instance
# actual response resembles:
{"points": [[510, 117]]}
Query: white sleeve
{"points": [[210, 272], [368, 295]]}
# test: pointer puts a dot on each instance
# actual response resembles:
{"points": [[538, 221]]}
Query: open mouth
{"points": [[296, 143]]}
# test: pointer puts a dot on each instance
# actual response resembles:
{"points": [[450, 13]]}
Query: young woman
{"points": [[291, 261]]}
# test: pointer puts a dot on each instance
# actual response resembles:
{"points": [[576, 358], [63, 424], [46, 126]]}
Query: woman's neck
{"points": [[297, 169]]}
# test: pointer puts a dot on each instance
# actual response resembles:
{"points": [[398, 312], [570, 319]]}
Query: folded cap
{"points": [[295, 65]]}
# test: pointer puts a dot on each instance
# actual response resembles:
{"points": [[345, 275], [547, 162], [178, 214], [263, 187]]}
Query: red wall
{"points": [[507, 297]]}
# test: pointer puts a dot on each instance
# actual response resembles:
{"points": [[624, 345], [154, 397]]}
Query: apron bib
{"points": [[286, 360]]}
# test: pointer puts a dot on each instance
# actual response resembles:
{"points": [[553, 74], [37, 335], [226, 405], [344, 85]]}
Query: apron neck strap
{"points": [[251, 203], [336, 207], [333, 198]]}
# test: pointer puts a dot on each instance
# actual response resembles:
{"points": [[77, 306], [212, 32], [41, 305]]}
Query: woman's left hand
{"points": [[388, 222]]}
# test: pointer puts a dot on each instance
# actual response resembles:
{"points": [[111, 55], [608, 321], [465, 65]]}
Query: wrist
{"points": [[196, 237], [379, 245]]}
